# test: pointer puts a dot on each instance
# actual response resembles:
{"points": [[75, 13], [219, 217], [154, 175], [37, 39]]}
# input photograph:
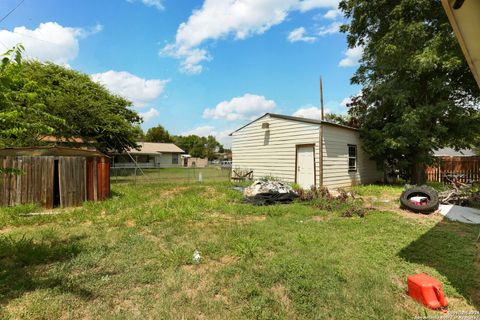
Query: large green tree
{"points": [[87, 108], [418, 93], [23, 115], [201, 147], [158, 134]]}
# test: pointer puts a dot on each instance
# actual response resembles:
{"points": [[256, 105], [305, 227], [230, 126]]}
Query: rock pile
{"points": [[269, 192], [268, 186]]}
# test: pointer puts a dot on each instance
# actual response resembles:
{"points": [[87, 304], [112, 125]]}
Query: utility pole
{"points": [[320, 162], [321, 99]]}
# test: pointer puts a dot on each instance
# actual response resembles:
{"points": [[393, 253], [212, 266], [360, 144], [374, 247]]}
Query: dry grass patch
{"points": [[209, 265], [280, 294]]}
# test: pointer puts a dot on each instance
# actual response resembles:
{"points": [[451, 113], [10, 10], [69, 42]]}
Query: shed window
{"points": [[352, 157]]}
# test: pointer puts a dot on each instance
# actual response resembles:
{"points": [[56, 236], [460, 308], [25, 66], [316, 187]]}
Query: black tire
{"points": [[429, 207]]}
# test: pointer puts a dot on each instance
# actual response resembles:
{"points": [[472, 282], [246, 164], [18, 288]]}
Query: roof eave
{"points": [[292, 118], [465, 22]]}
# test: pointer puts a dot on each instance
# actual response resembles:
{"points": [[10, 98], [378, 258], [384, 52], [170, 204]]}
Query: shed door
{"points": [[305, 176], [72, 181]]}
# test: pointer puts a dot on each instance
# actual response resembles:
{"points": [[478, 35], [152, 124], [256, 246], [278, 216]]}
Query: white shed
{"points": [[288, 148]]}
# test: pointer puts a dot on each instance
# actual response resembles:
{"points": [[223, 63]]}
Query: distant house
{"points": [[69, 142], [192, 162], [308, 152], [149, 155]]}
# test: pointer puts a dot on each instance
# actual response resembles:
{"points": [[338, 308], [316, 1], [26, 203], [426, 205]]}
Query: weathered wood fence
{"points": [[51, 181], [468, 167]]}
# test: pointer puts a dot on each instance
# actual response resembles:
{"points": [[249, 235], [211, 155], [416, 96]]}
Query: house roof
{"points": [[155, 148], [78, 140], [450, 152], [49, 151], [464, 17], [299, 119]]}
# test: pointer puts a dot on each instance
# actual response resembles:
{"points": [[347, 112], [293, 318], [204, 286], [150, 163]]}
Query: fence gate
{"points": [[72, 181]]}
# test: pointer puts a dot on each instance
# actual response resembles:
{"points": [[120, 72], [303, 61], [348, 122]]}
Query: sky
{"points": [[195, 66]]}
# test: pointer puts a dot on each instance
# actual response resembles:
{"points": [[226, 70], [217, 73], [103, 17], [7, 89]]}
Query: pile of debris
{"points": [[460, 193], [269, 192]]}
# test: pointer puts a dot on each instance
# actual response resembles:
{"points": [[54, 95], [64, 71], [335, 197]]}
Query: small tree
{"points": [[158, 134], [199, 147]]}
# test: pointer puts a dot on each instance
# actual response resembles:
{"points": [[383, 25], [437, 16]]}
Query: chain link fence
{"points": [[122, 175]]}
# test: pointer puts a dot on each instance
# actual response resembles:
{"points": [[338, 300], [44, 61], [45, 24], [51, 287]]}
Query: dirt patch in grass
{"points": [[6, 230], [280, 293], [174, 191], [130, 223], [216, 219], [391, 203], [243, 218], [320, 218], [208, 266], [419, 217]]}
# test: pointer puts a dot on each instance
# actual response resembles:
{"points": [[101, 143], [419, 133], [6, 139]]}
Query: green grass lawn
{"points": [[131, 258]]}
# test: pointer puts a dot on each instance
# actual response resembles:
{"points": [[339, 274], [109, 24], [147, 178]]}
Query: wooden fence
{"points": [[467, 167], [51, 181]]}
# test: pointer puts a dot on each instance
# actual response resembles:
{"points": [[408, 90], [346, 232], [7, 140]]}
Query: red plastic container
{"points": [[426, 290]]}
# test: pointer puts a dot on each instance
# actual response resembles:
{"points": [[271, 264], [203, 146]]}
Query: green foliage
{"points": [[38, 99], [201, 147], [158, 134], [418, 93], [89, 110], [346, 120], [23, 115]]}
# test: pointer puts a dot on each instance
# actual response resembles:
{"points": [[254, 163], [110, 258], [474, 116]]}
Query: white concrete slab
{"points": [[460, 214]]}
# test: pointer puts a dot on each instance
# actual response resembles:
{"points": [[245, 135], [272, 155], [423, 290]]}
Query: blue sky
{"points": [[196, 66]]}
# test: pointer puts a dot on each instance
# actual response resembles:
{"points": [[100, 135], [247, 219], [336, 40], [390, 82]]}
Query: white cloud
{"points": [[333, 14], [150, 114], [202, 131], [352, 56], [247, 106], [298, 34], [138, 90], [96, 29], [50, 41], [218, 19], [345, 101], [191, 57], [307, 5], [151, 3], [310, 112], [332, 28], [205, 131]]}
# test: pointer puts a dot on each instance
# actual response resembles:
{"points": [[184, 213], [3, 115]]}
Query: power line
{"points": [[34, 38], [3, 44], [11, 11]]}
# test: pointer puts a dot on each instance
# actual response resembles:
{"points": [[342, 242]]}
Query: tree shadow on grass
{"points": [[22, 266], [451, 249]]}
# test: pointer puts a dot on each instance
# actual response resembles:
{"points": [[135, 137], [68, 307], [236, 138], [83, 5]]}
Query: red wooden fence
{"points": [[469, 167]]}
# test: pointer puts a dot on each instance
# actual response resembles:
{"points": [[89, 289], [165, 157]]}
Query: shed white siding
{"points": [[335, 159], [272, 152]]}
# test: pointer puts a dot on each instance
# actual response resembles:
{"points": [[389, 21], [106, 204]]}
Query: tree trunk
{"points": [[419, 176]]}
